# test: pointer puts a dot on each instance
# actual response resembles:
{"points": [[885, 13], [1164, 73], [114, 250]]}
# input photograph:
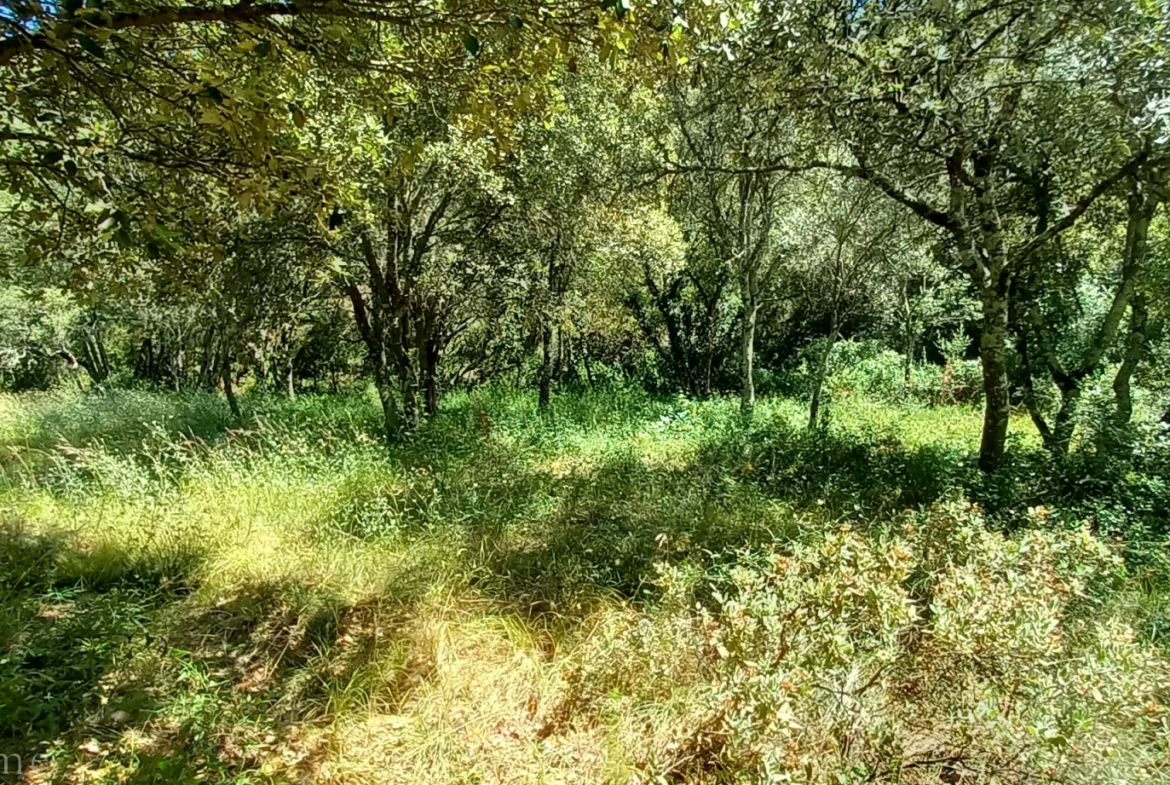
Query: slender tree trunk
{"points": [[908, 368], [431, 374], [1143, 201], [1028, 382], [290, 358], [391, 417], [751, 309], [559, 365], [747, 399], [814, 406], [546, 362], [1066, 417], [374, 334], [225, 369], [550, 355]]}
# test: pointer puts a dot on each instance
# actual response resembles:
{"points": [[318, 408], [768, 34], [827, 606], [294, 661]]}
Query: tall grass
{"points": [[517, 595]]}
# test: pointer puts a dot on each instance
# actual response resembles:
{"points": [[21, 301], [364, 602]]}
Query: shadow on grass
{"points": [[61, 630], [117, 662], [562, 537], [117, 668]]}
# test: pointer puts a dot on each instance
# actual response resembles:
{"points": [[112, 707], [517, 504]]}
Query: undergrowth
{"points": [[621, 588]]}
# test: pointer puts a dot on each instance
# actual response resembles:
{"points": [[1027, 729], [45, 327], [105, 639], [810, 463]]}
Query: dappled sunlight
{"points": [[528, 603]]}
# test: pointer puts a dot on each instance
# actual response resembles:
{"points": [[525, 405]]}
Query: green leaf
{"points": [[91, 46], [471, 44]]}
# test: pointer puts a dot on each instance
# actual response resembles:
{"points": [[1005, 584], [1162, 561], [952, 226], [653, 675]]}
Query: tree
{"points": [[850, 242], [724, 141], [1081, 355], [938, 105]]}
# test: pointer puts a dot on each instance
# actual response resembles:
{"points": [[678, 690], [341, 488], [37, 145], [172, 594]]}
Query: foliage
{"points": [[930, 653], [529, 251], [35, 329]]}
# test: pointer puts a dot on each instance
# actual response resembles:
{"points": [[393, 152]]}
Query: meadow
{"points": [[620, 588]]}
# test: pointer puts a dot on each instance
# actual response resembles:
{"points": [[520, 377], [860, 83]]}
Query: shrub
{"points": [[937, 651]]}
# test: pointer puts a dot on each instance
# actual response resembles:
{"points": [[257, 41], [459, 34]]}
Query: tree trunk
{"points": [[431, 375], [747, 399], [664, 302], [908, 329], [1142, 203], [391, 418], [225, 368], [410, 383], [751, 310], [814, 406], [546, 362], [290, 359], [993, 358], [373, 332], [1066, 417], [1135, 352]]}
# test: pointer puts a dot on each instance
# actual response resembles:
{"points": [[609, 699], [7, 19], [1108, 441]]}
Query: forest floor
{"points": [[602, 592]]}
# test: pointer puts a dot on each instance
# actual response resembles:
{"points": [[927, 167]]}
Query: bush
{"points": [[938, 650], [865, 368], [33, 330]]}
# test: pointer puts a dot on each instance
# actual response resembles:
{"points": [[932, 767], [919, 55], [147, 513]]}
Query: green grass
{"points": [[186, 598]]}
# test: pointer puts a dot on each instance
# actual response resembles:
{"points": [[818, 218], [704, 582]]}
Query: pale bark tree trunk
{"points": [[751, 308], [909, 346], [993, 358]]}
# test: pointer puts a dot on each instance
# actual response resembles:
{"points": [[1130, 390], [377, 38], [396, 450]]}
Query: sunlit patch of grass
{"points": [[281, 598]]}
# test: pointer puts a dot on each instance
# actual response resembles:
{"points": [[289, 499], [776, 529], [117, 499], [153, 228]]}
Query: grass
{"points": [[185, 598]]}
